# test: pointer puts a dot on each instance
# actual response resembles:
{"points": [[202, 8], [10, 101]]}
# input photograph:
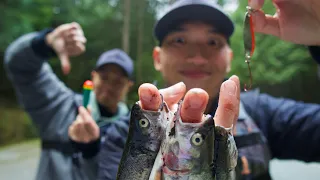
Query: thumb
{"points": [[256, 4], [149, 97], [265, 23], [194, 105], [65, 62]]}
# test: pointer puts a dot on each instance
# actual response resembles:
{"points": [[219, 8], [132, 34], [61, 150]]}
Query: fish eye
{"points": [[197, 139], [143, 123]]}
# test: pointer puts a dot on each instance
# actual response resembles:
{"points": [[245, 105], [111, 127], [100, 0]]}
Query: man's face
{"points": [[110, 85], [196, 55]]}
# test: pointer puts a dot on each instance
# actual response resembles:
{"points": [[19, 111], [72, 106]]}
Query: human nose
{"points": [[198, 54]]}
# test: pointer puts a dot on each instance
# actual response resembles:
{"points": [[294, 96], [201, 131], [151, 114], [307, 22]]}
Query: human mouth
{"points": [[194, 74]]}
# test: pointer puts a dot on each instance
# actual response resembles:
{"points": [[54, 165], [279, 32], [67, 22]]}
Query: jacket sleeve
{"points": [[292, 128], [45, 98]]}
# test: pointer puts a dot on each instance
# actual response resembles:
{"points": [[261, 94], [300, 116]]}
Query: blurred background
{"points": [[278, 68]]}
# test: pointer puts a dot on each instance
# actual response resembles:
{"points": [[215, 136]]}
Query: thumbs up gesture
{"points": [[67, 40]]}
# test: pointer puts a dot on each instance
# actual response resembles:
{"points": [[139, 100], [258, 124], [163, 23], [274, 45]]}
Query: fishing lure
{"points": [[249, 40], [86, 89]]}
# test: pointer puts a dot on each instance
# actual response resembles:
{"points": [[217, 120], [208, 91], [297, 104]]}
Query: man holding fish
{"points": [[194, 57]]}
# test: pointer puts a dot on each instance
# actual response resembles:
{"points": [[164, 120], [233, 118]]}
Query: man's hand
{"points": [[67, 40], [84, 129], [296, 21], [195, 101]]}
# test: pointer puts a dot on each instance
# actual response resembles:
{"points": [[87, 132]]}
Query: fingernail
{"points": [[145, 97], [252, 4], [230, 87], [196, 102]]}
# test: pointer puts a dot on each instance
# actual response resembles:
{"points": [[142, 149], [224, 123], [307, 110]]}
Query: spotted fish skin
{"points": [[226, 154], [146, 131]]}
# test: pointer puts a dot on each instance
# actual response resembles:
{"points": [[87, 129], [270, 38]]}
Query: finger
{"points": [[83, 134], [76, 49], [65, 63], [89, 110], [266, 24], [73, 39], [193, 106], [63, 28], [77, 134], [85, 115], [74, 35], [77, 26], [173, 94], [71, 131], [237, 81], [256, 4], [92, 130], [149, 97], [227, 107]]}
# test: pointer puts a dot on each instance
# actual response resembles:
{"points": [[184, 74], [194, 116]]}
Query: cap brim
{"points": [[197, 12]]}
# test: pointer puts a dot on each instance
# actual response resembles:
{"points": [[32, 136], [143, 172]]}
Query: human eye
{"points": [[215, 42], [177, 40]]}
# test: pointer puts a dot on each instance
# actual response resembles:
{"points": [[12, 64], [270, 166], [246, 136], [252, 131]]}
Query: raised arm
{"points": [[291, 127], [46, 99]]}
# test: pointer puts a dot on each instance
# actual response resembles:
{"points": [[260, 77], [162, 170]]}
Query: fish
{"points": [[226, 154], [146, 132], [192, 151], [188, 149]]}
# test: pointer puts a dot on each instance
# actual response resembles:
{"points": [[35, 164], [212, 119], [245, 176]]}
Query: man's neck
{"points": [[107, 112]]}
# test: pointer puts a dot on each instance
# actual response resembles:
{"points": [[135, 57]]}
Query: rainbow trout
{"points": [[194, 151], [146, 131]]}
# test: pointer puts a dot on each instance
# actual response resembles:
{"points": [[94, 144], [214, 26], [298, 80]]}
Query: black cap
{"points": [[200, 10], [118, 57]]}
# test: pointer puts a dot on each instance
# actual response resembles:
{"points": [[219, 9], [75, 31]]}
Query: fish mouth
{"points": [[175, 172]]}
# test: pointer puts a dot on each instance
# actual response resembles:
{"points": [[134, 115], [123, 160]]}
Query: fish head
{"points": [[190, 149], [148, 127]]}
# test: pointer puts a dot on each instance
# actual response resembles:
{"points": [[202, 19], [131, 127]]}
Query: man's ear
{"points": [[130, 84], [229, 59], [156, 58], [93, 75]]}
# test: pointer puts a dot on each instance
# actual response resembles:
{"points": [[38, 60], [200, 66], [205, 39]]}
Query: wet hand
{"points": [[195, 101], [296, 21], [84, 129], [67, 40]]}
